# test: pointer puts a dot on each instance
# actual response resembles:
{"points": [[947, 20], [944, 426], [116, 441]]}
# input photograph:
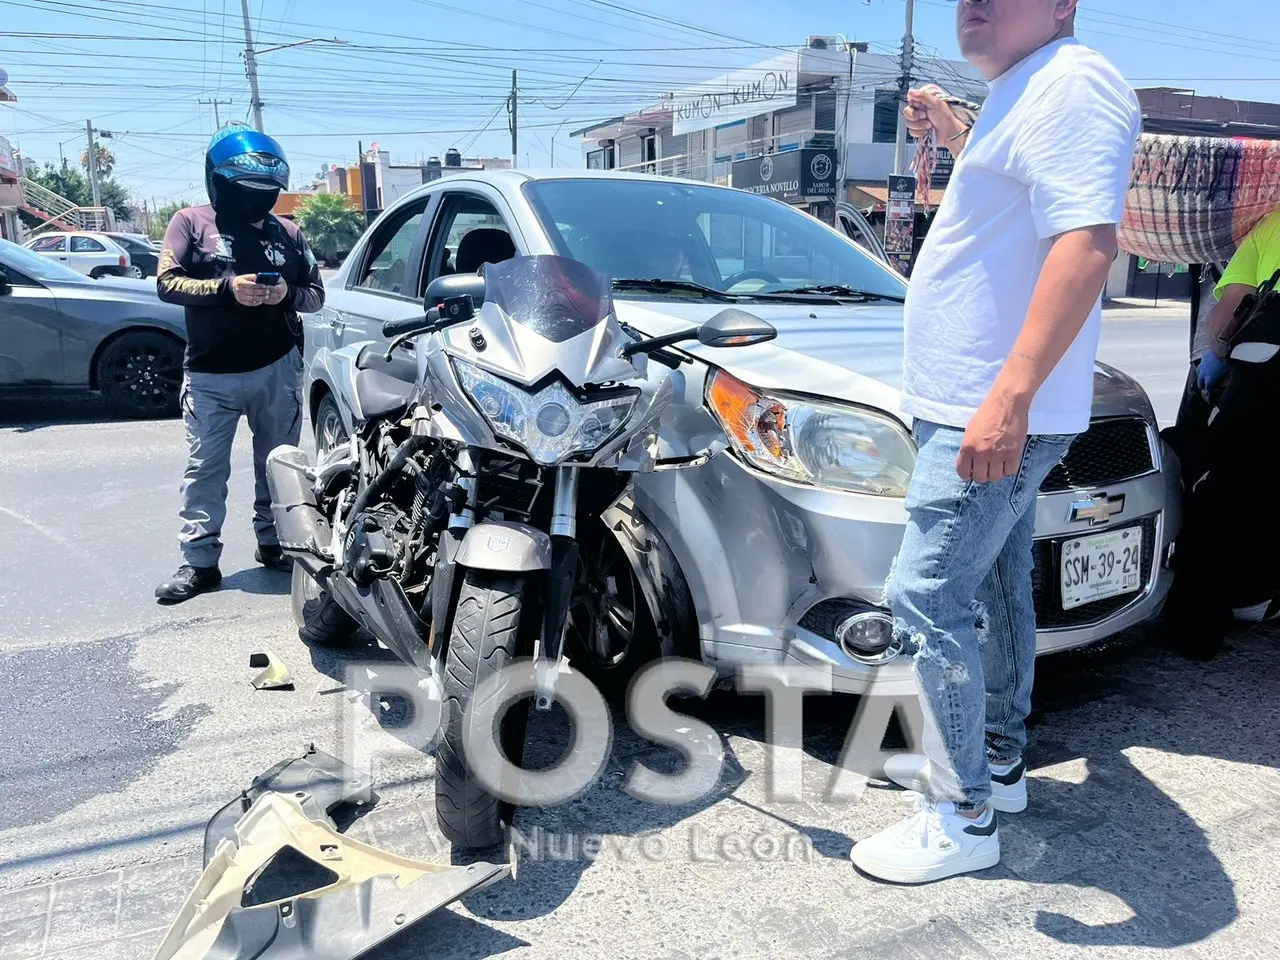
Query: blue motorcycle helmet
{"points": [[244, 172]]}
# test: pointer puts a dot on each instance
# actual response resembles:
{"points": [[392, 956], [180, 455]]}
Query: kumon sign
{"points": [[736, 96]]}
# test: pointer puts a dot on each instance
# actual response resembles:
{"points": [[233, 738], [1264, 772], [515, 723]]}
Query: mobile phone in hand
{"points": [[268, 279]]}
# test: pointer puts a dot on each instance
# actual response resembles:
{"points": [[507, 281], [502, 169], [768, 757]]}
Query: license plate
{"points": [[1100, 566]]}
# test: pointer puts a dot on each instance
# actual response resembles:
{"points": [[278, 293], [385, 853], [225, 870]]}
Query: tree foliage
{"points": [[330, 224], [106, 160], [160, 221]]}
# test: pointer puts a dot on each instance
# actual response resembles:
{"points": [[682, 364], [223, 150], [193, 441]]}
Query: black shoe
{"points": [[188, 582], [273, 557]]}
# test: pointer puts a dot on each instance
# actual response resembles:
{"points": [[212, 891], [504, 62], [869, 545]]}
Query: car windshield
{"points": [[33, 265], [129, 243], [555, 297], [725, 240]]}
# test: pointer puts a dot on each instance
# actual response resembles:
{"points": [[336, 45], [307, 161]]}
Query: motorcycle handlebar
{"points": [[396, 328]]}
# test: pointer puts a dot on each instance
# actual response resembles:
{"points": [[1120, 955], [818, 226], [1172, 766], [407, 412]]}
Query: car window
{"points": [[469, 232], [130, 244], [86, 245], [50, 244], [387, 259], [727, 239]]}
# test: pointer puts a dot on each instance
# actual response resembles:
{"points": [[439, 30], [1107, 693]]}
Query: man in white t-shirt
{"points": [[1002, 323]]}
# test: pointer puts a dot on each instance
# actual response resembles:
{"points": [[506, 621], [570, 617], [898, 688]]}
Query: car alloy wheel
{"points": [[140, 374], [136, 273], [602, 617], [330, 430]]}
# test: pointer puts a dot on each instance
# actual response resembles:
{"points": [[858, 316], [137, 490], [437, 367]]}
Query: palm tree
{"points": [[330, 224], [106, 160]]}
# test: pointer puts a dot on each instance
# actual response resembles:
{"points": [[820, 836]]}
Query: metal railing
{"points": [[60, 213], [699, 167]]}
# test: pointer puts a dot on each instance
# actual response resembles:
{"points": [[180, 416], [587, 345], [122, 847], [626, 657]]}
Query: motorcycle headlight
{"points": [[825, 444], [551, 424]]}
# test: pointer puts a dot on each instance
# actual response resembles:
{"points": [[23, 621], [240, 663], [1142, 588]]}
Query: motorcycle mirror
{"points": [[455, 285], [735, 328]]}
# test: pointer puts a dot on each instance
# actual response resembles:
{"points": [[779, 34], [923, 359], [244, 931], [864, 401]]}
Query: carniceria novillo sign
{"points": [[736, 96]]}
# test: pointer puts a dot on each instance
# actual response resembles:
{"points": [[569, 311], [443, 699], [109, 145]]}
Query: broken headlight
{"points": [[816, 442]]}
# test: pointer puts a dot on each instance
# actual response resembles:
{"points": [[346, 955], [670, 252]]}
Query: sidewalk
{"points": [[1162, 309]]}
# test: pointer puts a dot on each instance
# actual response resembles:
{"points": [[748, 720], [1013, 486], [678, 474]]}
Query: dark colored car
{"points": [[61, 329], [143, 257]]}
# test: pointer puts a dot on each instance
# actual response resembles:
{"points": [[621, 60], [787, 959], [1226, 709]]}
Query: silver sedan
{"points": [[748, 555]]}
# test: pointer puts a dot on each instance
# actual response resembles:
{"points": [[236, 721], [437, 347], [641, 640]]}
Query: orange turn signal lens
{"points": [[757, 424]]}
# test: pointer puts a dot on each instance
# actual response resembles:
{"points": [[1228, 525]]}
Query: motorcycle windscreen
{"points": [[555, 297]]}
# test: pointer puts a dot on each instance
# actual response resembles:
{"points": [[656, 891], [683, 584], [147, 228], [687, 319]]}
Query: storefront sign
{"points": [[900, 223], [8, 163], [735, 96], [793, 176]]}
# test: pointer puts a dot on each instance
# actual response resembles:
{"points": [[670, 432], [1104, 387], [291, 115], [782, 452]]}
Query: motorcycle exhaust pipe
{"points": [[299, 522]]}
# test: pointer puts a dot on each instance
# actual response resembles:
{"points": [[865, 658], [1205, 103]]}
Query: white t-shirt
{"points": [[1051, 152]]}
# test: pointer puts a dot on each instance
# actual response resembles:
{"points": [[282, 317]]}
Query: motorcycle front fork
{"points": [[560, 579]]}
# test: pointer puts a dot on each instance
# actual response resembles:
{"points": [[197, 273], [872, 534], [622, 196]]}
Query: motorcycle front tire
{"points": [[485, 638], [321, 621]]}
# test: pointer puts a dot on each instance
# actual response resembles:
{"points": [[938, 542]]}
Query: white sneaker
{"points": [[1008, 783], [1009, 787], [932, 843]]}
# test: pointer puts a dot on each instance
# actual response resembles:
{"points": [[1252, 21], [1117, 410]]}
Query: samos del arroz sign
{"points": [[736, 96]]}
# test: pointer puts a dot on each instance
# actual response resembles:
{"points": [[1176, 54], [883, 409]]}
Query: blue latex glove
{"points": [[1211, 372]]}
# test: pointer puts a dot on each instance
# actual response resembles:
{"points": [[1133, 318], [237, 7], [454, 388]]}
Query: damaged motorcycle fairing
{"points": [[374, 894], [281, 882]]}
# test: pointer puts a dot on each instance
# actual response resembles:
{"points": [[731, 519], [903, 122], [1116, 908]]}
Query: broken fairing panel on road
{"points": [[343, 897]]}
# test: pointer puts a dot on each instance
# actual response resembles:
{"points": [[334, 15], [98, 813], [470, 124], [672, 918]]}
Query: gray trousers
{"points": [[212, 405]]}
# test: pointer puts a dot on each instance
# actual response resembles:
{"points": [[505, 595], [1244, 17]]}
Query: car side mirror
{"points": [[735, 328], [455, 285], [6, 287]]}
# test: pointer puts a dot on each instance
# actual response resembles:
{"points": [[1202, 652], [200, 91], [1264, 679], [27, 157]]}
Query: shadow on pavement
{"points": [[26, 412], [258, 580]]}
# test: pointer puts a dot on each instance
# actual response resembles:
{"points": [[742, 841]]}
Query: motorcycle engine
{"points": [[373, 545]]}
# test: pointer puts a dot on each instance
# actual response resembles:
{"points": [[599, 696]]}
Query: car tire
{"points": [[97, 273], [610, 636], [140, 374], [321, 621], [329, 428], [136, 272]]}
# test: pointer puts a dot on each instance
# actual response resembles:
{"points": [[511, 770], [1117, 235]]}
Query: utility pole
{"points": [[93, 164], [217, 117], [513, 109], [251, 69], [904, 86]]}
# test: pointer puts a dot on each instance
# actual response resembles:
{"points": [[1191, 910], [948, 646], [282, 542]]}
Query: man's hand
{"points": [[276, 292], [926, 111], [248, 291], [995, 439]]}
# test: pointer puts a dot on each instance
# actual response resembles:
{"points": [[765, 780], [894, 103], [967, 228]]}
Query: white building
{"points": [[830, 94], [385, 182]]}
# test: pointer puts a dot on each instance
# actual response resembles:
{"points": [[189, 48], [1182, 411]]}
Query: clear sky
{"points": [[420, 76]]}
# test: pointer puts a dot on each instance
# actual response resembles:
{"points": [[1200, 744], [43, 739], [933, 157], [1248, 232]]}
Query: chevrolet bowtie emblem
{"points": [[1097, 510]]}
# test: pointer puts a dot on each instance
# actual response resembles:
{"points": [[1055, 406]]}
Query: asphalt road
{"points": [[125, 725]]}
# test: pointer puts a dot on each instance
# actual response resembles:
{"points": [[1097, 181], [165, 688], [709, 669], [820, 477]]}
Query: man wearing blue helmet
{"points": [[243, 276]]}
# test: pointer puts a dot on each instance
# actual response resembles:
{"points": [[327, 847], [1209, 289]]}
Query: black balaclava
{"points": [[240, 203]]}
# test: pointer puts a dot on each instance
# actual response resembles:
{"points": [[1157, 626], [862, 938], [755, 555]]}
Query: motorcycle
{"points": [[491, 434]]}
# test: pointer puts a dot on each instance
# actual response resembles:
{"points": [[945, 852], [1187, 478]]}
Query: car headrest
{"points": [[486, 245]]}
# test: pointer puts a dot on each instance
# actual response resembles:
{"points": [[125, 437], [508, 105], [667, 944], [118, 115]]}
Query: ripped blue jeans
{"points": [[961, 597]]}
